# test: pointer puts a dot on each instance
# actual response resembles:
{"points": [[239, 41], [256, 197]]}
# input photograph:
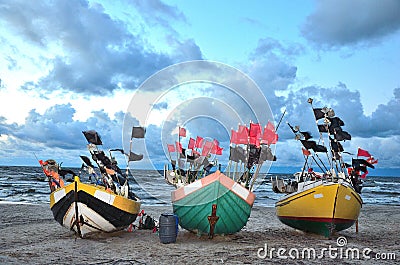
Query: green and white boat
{"points": [[218, 203], [214, 197]]}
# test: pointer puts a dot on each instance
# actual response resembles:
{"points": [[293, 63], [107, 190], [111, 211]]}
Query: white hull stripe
{"points": [[240, 191], [58, 195], [192, 187], [104, 196]]}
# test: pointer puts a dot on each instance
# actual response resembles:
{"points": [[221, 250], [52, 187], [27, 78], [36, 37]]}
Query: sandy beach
{"points": [[30, 235]]}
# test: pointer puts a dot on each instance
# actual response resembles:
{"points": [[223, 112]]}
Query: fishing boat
{"points": [[106, 204], [208, 201], [327, 201]]}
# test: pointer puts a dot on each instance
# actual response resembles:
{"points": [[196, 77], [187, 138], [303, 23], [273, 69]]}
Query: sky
{"points": [[73, 65]]}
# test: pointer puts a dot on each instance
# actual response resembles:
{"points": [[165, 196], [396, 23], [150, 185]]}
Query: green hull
{"points": [[193, 210], [321, 227]]}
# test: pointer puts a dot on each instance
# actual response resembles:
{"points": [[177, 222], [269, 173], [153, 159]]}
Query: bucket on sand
{"points": [[168, 228]]}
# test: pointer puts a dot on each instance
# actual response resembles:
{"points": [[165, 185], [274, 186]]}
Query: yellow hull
{"points": [[88, 208], [322, 208]]}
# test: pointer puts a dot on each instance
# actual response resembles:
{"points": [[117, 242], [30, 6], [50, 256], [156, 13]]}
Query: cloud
{"points": [[267, 47], [158, 13], [340, 23], [384, 118], [56, 128], [91, 52], [274, 74]]}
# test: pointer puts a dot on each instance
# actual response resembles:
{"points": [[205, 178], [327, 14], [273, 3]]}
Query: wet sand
{"points": [[30, 235]]}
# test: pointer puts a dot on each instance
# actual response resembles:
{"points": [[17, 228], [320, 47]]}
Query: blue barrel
{"points": [[168, 228]]}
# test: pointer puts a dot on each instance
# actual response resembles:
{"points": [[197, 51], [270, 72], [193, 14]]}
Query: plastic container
{"points": [[168, 228]]}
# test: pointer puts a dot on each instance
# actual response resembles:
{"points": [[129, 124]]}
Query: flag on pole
{"points": [[171, 148], [362, 152], [192, 143], [255, 130], [234, 137], [243, 135], [199, 142], [135, 157], [215, 142], [255, 134], [138, 132], [178, 147], [269, 136], [216, 149], [305, 152], [182, 132], [207, 148]]}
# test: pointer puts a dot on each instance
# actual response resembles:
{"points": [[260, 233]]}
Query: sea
{"points": [[20, 184]]}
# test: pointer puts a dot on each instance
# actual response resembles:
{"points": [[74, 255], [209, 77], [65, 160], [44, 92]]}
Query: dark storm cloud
{"points": [[99, 54], [339, 23]]}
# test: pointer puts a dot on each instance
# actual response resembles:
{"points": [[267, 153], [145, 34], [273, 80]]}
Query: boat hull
{"points": [[323, 209], [193, 204], [96, 209]]}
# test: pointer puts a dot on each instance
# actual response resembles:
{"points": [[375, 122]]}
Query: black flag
{"points": [[361, 164], [135, 157], [138, 132], [314, 146], [322, 128], [341, 135], [87, 161], [92, 137], [307, 135], [318, 113]]}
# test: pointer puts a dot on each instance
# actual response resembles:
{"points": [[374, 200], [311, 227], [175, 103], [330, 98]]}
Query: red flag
{"points": [[243, 135], [182, 132], [255, 134], [362, 152], [178, 147], [255, 130], [199, 142], [270, 126], [306, 152], [255, 141], [216, 149], [192, 143], [171, 148], [243, 130], [219, 150], [269, 136], [234, 137], [215, 142], [207, 148]]}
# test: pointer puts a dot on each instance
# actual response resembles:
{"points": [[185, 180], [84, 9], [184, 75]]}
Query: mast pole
{"points": [[310, 101]]}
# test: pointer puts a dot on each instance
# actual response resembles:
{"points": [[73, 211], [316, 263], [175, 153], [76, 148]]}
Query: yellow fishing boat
{"points": [[320, 207], [326, 202], [87, 208], [104, 205]]}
